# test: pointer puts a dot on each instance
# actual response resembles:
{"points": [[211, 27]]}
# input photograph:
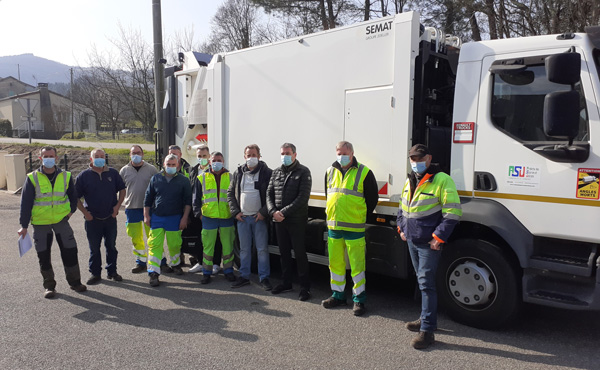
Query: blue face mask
{"points": [[99, 162], [286, 160], [343, 160], [48, 162], [419, 167], [171, 170], [136, 159], [217, 166]]}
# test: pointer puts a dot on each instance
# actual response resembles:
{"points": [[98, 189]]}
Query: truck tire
{"points": [[478, 285]]}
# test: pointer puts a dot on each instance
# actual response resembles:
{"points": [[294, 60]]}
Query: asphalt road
{"points": [[182, 324], [83, 144]]}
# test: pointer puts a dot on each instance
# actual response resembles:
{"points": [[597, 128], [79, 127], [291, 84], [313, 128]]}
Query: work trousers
{"points": [[156, 247], [290, 235], [211, 228], [136, 228], [43, 236], [353, 243], [97, 230]]}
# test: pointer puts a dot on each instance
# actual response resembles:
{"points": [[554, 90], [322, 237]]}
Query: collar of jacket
{"points": [[291, 167], [244, 167], [432, 170], [337, 164]]}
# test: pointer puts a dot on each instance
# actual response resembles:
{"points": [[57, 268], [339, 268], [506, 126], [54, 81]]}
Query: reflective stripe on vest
{"points": [[346, 207], [426, 199], [51, 203], [214, 205]]}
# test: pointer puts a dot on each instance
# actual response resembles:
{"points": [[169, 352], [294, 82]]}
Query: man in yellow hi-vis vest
{"points": [[351, 196], [210, 202], [48, 200], [429, 211]]}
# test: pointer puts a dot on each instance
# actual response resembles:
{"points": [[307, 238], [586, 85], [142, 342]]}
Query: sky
{"points": [[65, 30]]}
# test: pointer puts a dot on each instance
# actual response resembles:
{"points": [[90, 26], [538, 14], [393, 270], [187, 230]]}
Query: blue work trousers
{"points": [[96, 230], [425, 261], [248, 231]]}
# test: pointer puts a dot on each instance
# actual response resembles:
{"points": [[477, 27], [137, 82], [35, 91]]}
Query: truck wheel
{"points": [[478, 284]]}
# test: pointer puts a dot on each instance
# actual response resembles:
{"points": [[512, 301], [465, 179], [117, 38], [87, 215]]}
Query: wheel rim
{"points": [[472, 284]]}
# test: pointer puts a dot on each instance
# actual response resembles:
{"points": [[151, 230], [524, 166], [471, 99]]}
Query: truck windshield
{"points": [[518, 105]]}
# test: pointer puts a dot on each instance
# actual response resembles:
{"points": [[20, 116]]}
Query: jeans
{"points": [[248, 231], [425, 261], [96, 230]]}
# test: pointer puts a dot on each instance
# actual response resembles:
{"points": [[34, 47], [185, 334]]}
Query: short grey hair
{"points": [[345, 144], [93, 152], [171, 157], [289, 146]]}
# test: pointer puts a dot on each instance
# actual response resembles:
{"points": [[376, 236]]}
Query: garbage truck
{"points": [[513, 121]]}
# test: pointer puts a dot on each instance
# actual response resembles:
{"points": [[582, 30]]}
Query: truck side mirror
{"points": [[563, 68], [561, 114]]}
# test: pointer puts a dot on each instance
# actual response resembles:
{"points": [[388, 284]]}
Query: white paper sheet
{"points": [[24, 244]]}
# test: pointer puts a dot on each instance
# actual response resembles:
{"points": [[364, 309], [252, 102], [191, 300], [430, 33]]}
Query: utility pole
{"points": [[19, 71], [72, 110], [159, 81]]}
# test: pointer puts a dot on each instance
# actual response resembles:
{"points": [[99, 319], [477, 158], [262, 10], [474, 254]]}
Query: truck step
{"points": [[564, 264], [556, 297]]}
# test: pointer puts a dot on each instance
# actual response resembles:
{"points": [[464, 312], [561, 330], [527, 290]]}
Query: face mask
{"points": [[48, 162], [203, 161], [99, 162], [343, 160], [171, 170], [418, 167], [286, 160], [217, 166], [136, 159], [252, 162]]}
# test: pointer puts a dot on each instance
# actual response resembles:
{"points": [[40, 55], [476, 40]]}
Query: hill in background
{"points": [[34, 69]]}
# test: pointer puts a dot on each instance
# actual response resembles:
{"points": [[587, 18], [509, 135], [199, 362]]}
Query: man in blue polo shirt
{"points": [[98, 186], [167, 206]]}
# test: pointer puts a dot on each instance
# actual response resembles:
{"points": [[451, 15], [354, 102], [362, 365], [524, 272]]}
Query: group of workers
{"points": [[207, 202]]}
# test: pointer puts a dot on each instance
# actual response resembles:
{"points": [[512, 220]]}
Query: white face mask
{"points": [[252, 162]]}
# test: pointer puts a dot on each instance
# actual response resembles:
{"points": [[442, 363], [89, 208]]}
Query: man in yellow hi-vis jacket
{"points": [[351, 196], [429, 211]]}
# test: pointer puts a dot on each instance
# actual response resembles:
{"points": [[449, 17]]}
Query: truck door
{"points": [[552, 196]]}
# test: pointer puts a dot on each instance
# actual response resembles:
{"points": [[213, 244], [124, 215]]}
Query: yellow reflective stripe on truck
{"points": [[530, 198]]}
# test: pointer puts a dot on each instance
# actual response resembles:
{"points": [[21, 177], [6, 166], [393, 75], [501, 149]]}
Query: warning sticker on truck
{"points": [[523, 176], [588, 183]]}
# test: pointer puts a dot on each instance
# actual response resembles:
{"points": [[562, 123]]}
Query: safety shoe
{"points": [[94, 280], [166, 269], [414, 325], [240, 282], [79, 288], [266, 284], [154, 279], [230, 277], [49, 293], [177, 270], [304, 295], [205, 279], [281, 289], [196, 268], [138, 269], [115, 277], [332, 302], [359, 309], [423, 340]]}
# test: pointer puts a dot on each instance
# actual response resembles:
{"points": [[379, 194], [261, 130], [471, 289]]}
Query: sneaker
{"points": [[205, 279], [166, 269], [94, 280], [79, 288], [177, 270], [49, 293], [266, 284], [359, 309], [115, 277], [332, 302], [423, 340], [193, 261], [196, 268], [304, 295], [240, 282], [154, 279], [281, 289], [414, 325], [138, 269], [230, 277], [216, 269]]}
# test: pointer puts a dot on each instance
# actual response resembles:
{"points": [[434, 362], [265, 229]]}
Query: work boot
{"points": [[205, 279], [138, 269], [423, 340], [304, 295], [94, 280], [166, 269], [414, 325], [281, 288], [73, 276], [359, 309], [49, 282], [49, 293], [154, 279], [266, 284], [177, 270], [332, 302], [230, 277], [115, 277], [240, 282], [80, 288]]}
